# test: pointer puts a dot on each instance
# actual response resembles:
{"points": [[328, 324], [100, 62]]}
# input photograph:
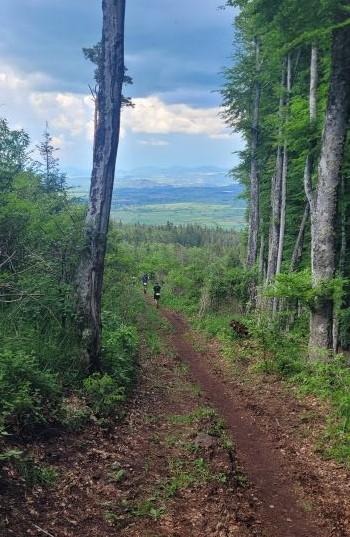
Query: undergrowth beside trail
{"points": [[40, 394], [211, 288], [270, 351]]}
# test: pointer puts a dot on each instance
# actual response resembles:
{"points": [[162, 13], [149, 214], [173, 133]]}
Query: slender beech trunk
{"points": [[299, 243], [90, 272], [343, 241], [254, 172], [284, 173], [342, 257], [261, 255], [276, 187], [324, 201], [309, 163]]}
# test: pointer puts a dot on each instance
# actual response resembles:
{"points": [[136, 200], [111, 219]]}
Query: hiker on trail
{"points": [[145, 282], [156, 290]]}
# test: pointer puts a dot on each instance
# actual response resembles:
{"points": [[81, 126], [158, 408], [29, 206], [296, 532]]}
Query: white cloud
{"points": [[154, 142], [11, 80], [70, 116], [67, 113], [152, 116]]}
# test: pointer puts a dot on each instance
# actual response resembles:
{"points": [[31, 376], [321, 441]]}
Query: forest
{"points": [[121, 418]]}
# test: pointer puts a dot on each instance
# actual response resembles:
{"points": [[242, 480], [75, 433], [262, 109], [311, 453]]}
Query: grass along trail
{"points": [[298, 493], [167, 469], [196, 455]]}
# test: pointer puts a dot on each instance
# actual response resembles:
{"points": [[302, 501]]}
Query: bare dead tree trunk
{"points": [[254, 172], [90, 272], [325, 201], [94, 95], [276, 187]]}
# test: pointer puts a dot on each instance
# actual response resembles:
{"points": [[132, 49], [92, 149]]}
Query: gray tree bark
{"points": [[276, 189], [284, 174], [342, 257], [309, 163], [109, 100], [261, 256], [253, 229], [325, 201], [299, 243]]}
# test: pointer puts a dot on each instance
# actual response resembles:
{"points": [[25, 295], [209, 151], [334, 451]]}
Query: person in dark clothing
{"points": [[145, 282], [156, 290]]}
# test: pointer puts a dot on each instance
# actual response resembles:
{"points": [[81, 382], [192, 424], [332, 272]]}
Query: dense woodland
{"points": [[66, 357], [288, 92]]}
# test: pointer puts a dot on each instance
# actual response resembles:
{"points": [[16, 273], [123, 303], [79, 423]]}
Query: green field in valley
{"points": [[224, 216]]}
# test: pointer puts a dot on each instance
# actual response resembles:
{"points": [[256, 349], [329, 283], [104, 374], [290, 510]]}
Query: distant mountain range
{"points": [[151, 176]]}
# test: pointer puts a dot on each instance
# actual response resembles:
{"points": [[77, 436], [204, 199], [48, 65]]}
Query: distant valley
{"points": [[179, 195]]}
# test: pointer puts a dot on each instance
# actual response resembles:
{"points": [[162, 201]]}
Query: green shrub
{"points": [[35, 474], [7, 455], [215, 324], [104, 394], [124, 339], [235, 283], [30, 396], [120, 349]]}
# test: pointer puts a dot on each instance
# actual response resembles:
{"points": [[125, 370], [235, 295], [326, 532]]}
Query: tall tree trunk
{"points": [[343, 241], [309, 163], [254, 173], [90, 272], [325, 202], [276, 187], [342, 257], [299, 243], [261, 255], [284, 174]]}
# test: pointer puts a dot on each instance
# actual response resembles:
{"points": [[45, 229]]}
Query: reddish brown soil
{"points": [[300, 494], [146, 476], [168, 487]]}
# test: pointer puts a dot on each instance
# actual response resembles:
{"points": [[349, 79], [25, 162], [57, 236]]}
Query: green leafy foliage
{"points": [[298, 286], [104, 394], [120, 349], [42, 372], [30, 396], [35, 474]]}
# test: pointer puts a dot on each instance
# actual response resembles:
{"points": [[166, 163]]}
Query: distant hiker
{"points": [[145, 279], [156, 290]]}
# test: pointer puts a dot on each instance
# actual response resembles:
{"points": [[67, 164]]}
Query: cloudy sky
{"points": [[175, 51]]}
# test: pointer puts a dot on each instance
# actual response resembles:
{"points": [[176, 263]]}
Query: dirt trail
{"points": [[167, 469], [281, 513]]}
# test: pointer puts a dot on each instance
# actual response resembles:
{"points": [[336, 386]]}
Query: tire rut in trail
{"points": [[281, 514]]}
